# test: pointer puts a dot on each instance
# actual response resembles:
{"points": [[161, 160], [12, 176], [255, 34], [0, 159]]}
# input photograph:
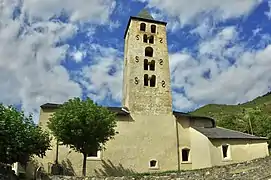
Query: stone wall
{"points": [[259, 169]]}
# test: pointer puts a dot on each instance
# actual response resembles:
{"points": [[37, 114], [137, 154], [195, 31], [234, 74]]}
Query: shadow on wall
{"points": [[67, 168], [109, 169]]}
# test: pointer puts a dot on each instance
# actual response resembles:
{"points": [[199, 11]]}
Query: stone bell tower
{"points": [[146, 77]]}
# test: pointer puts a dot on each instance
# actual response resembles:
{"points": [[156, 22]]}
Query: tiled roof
{"points": [[222, 133]]}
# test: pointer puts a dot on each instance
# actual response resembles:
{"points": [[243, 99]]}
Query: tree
{"points": [[83, 125], [260, 122], [20, 138], [234, 122], [250, 120]]}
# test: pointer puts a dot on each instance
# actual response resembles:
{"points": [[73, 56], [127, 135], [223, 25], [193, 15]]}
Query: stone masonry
{"points": [[258, 169]]}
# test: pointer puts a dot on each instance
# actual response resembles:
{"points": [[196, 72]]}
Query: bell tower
{"points": [[146, 77]]}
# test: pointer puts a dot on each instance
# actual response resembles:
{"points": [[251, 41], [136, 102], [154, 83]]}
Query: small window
{"points": [[153, 29], [152, 81], [145, 38], [225, 151], [146, 80], [142, 27], [153, 164], [94, 155], [185, 155], [151, 39], [148, 52]]}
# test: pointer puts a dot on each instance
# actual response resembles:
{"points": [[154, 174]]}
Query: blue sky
{"points": [[53, 50]]}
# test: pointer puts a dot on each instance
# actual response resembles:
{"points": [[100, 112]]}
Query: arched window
{"points": [[146, 64], [146, 80], [153, 29], [145, 38], [151, 39], [149, 65], [148, 52], [152, 81], [142, 27], [152, 65], [185, 154]]}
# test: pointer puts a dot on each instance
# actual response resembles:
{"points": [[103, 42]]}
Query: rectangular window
{"points": [[225, 151], [95, 155], [185, 155]]}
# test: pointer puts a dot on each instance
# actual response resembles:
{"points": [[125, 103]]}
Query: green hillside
{"points": [[217, 110]]}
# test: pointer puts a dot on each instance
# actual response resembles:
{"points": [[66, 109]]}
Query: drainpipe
{"points": [[178, 145]]}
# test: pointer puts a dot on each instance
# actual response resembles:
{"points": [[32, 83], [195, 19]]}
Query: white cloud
{"points": [[103, 78], [78, 56], [228, 83], [190, 11], [268, 13], [32, 49], [95, 11], [256, 31]]}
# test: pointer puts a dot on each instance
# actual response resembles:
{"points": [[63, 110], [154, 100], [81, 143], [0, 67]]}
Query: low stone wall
{"points": [[259, 169]]}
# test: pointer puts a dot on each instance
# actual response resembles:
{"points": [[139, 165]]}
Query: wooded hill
{"points": [[216, 110], [253, 117]]}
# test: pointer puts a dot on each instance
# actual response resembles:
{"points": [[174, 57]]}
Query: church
{"points": [[152, 137]]}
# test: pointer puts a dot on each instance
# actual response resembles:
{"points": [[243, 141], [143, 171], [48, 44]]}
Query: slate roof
{"points": [[181, 114], [122, 111], [222, 133], [118, 110], [144, 14], [211, 133]]}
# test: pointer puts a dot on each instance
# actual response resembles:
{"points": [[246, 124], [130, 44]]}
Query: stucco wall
{"points": [[140, 139], [240, 150], [200, 150], [50, 154], [143, 139], [184, 140]]}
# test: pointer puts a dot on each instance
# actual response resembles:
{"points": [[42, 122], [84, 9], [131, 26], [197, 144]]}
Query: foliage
{"points": [[83, 125], [20, 138], [253, 117]]}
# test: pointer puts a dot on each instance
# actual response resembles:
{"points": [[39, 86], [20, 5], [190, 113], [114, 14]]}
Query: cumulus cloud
{"points": [[80, 10], [33, 45], [37, 38], [227, 82], [189, 11], [103, 77]]}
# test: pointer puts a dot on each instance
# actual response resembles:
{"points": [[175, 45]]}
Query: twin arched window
{"points": [[149, 81], [143, 27], [146, 39], [149, 65]]}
